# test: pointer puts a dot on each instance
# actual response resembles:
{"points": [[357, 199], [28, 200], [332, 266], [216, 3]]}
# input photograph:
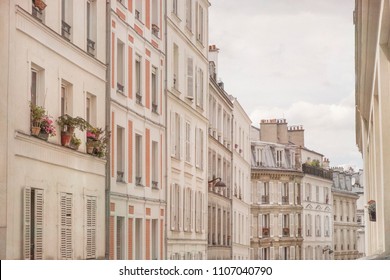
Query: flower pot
{"points": [[90, 148], [372, 216], [43, 135], [40, 4], [35, 130], [65, 138]]}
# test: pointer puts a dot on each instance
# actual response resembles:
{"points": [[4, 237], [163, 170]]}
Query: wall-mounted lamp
{"points": [[217, 182]]}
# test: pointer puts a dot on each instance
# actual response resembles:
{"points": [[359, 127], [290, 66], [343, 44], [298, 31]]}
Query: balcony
{"points": [[317, 171], [65, 30], [265, 232], [265, 199], [155, 185], [285, 200], [286, 232]]}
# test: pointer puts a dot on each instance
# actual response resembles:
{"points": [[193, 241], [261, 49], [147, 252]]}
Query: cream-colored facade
{"points": [[220, 114], [241, 192], [52, 197], [372, 29], [187, 126], [276, 209], [344, 211], [137, 120]]}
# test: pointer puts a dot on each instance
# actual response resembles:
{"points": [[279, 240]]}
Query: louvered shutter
{"points": [[181, 138], [260, 253], [296, 223], [38, 226], [272, 253], [260, 225], [192, 210], [279, 192], [180, 203], [172, 201], [281, 257], [272, 193], [65, 226], [272, 224], [291, 193], [27, 224], [203, 211], [291, 218], [91, 227], [292, 253], [252, 226], [185, 209], [190, 78], [172, 136], [260, 191]]}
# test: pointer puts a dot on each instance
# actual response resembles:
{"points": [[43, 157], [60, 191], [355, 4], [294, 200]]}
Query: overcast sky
{"points": [[292, 59]]}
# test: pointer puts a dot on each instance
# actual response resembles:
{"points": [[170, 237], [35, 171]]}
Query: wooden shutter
{"points": [[180, 205], [291, 193], [172, 136], [280, 225], [260, 191], [291, 218], [173, 213], [65, 226], [185, 208], [292, 253], [91, 227], [272, 253], [272, 225], [190, 78], [281, 253], [192, 210], [202, 204], [272, 193], [279, 192], [38, 225], [260, 253], [27, 224]]}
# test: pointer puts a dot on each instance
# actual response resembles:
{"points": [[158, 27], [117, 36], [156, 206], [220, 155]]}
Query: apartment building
{"points": [[372, 29], [276, 206], [344, 210], [137, 118], [52, 196], [358, 188], [241, 192], [187, 126], [220, 115], [317, 206]]}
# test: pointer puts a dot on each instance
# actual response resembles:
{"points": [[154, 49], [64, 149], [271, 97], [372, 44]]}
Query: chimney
{"points": [[269, 131], [325, 163], [296, 135], [213, 61], [282, 131]]}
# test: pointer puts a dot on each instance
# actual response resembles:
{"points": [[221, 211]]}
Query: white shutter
{"points": [[272, 225], [252, 227], [280, 227], [180, 203], [260, 225], [181, 134], [91, 227], [190, 78], [281, 253], [272, 193], [27, 224], [272, 253], [291, 193], [292, 253], [38, 225], [172, 124], [279, 192], [260, 253], [291, 218], [296, 223], [192, 210], [173, 212], [65, 226], [203, 212], [185, 209], [259, 193]]}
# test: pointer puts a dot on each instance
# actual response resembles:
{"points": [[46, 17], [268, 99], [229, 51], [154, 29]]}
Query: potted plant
{"points": [[75, 142], [37, 113], [68, 124], [39, 4], [97, 143], [47, 128], [372, 210]]}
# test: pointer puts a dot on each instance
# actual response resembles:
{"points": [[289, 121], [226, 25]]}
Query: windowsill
{"points": [[190, 98], [200, 43], [189, 31], [121, 5], [176, 17], [176, 91], [121, 93], [139, 21]]}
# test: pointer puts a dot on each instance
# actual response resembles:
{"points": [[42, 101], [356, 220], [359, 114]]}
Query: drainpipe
{"points": [[231, 185], [108, 120], [166, 133]]}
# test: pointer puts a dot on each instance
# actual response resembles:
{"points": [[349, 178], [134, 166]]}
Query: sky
{"points": [[292, 59]]}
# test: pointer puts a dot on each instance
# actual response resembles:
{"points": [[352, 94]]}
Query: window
{"points": [[138, 9], [286, 225], [138, 93], [265, 225], [318, 225], [91, 227], [155, 18], [120, 67], [38, 11], [90, 109], [285, 198], [279, 158], [155, 163], [308, 192], [189, 14], [120, 242], [200, 24], [190, 78], [37, 85], [33, 224], [175, 67], [188, 142], [139, 238], [326, 226], [154, 239], [91, 27], [154, 90], [66, 98], [175, 7], [317, 194], [66, 18], [199, 206], [308, 225], [66, 223], [138, 160], [120, 152], [175, 135], [199, 88]]}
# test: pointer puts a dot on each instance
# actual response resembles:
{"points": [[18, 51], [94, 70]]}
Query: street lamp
{"points": [[217, 182]]}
